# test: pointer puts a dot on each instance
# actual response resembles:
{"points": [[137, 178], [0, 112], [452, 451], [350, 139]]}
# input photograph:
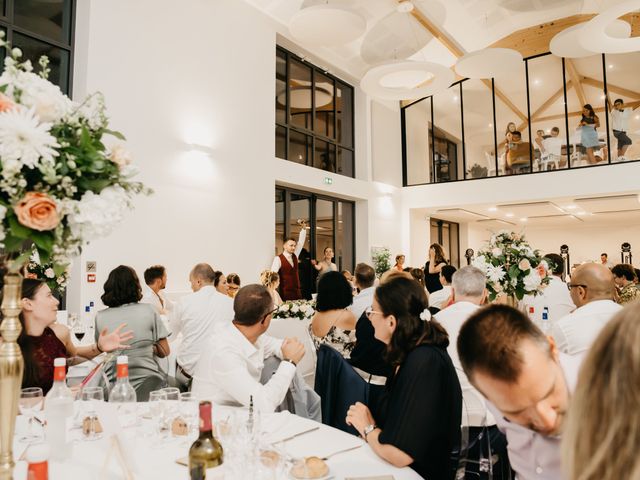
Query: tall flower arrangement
{"points": [[60, 185], [512, 267]]}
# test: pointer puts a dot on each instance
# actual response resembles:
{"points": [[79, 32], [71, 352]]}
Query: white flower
{"points": [[49, 273], [92, 110], [480, 262], [120, 156], [24, 141], [284, 307], [95, 216], [425, 316], [532, 281], [495, 274], [524, 264], [496, 252], [295, 308]]}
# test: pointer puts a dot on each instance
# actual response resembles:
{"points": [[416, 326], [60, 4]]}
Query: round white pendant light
{"points": [[533, 5], [406, 80], [594, 36], [567, 42], [327, 25], [489, 62], [300, 97]]}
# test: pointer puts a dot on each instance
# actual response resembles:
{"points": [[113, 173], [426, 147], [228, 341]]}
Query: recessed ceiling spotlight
{"points": [[581, 213], [571, 207], [523, 219], [536, 81], [610, 66], [637, 117], [492, 209], [508, 215]]}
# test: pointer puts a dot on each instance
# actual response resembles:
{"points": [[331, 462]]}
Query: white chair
{"points": [[292, 327]]}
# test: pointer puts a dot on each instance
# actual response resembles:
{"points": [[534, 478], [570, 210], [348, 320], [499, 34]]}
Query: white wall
{"points": [[202, 74]]}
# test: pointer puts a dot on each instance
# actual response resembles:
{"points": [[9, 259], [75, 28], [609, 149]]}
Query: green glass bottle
{"points": [[206, 451]]}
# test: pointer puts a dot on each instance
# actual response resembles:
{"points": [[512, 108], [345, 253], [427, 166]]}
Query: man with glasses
{"points": [[526, 381], [229, 371], [592, 290]]}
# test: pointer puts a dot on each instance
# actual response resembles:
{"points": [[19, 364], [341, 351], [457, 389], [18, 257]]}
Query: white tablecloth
{"points": [[158, 461]]}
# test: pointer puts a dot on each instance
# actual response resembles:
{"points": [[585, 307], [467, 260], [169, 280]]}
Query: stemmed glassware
{"points": [[31, 402], [158, 413]]}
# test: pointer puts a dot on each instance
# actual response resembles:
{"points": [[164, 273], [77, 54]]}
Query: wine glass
{"points": [[31, 402], [157, 411], [189, 408], [90, 397], [79, 330]]}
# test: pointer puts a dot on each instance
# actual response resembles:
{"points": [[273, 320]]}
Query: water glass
{"points": [[90, 398], [158, 410], [172, 407], [190, 412], [31, 402]]}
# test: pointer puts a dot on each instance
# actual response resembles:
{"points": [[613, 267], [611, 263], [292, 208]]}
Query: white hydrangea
{"points": [[95, 216], [295, 308], [532, 281], [92, 109], [284, 307], [24, 141], [480, 262]]}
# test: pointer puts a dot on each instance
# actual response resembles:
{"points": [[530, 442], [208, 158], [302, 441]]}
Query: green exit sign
{"points": [[328, 180]]}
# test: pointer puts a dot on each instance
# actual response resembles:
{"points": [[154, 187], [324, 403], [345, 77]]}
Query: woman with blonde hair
{"points": [[603, 429], [271, 280]]}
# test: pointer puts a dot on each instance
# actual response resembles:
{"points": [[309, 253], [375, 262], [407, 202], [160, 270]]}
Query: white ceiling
{"points": [[558, 212]]}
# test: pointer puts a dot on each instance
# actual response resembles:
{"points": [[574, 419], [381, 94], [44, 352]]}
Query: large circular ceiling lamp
{"points": [[489, 62], [406, 80], [533, 5], [567, 43], [594, 36], [399, 35], [327, 25]]}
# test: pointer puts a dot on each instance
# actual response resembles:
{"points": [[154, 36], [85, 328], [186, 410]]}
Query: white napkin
{"points": [[282, 425], [321, 443]]}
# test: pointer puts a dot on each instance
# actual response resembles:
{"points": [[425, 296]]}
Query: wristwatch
{"points": [[290, 361], [368, 429]]}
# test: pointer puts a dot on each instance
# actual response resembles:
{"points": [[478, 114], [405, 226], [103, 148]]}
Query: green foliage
{"points": [[381, 260]]}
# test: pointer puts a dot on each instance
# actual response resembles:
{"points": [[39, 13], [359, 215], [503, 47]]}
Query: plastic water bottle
{"points": [[58, 408], [544, 326], [122, 395]]}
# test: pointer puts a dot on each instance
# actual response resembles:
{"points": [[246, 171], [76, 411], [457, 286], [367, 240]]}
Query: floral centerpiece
{"points": [[57, 282], [512, 267], [300, 309], [60, 185]]}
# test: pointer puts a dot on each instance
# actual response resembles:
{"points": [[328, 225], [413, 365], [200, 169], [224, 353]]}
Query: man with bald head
{"points": [[592, 290], [195, 317]]}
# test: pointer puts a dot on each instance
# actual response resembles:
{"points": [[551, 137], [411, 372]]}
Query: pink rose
{"points": [[37, 211], [524, 264], [6, 103]]}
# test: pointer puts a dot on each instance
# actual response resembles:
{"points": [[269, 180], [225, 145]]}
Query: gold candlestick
{"points": [[11, 367]]}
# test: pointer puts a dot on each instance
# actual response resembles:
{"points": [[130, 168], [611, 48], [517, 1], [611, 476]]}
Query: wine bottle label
{"points": [[59, 374], [122, 370]]}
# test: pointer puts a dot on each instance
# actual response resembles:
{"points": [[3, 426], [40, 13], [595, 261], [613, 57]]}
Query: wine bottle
{"points": [[206, 451], [122, 395], [58, 409]]}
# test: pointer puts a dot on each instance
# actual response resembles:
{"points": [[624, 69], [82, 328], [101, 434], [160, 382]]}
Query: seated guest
{"points": [[156, 279], [196, 316], [42, 339], [365, 277], [333, 324], [417, 424], [220, 282], [229, 371], [271, 281], [418, 276], [518, 154], [602, 435], [121, 295], [624, 276], [526, 381], [440, 298], [233, 284], [552, 147], [592, 291], [399, 265]]}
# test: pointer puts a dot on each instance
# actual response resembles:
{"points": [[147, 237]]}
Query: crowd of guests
{"points": [[444, 360]]}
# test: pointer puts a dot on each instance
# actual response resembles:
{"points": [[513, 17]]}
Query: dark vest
{"points": [[289, 280]]}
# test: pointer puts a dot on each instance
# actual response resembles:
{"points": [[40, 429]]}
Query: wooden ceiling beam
{"points": [[575, 78], [550, 101], [633, 105], [505, 100], [610, 87]]}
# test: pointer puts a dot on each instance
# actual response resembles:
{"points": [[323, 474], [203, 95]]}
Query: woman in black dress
{"points": [[417, 423], [432, 268]]}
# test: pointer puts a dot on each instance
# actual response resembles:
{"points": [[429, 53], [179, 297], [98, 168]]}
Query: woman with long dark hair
{"points": [[42, 339], [432, 268], [417, 423], [122, 294], [588, 134]]}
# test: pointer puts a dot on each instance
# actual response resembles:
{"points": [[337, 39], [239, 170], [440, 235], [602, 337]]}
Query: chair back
{"points": [[292, 327], [339, 387]]}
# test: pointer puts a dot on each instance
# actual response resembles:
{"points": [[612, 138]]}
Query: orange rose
{"points": [[37, 211], [6, 103]]}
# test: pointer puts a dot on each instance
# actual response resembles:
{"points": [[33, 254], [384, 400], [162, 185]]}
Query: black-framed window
{"points": [[42, 27], [331, 223], [543, 100], [314, 116]]}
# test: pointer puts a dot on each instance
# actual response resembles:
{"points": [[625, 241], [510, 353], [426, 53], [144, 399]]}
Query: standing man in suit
{"points": [[286, 264]]}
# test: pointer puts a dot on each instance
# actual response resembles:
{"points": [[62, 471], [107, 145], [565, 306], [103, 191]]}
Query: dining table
{"points": [[137, 452]]}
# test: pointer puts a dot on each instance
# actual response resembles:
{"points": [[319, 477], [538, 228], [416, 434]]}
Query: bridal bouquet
{"points": [[300, 309], [511, 266], [60, 185]]}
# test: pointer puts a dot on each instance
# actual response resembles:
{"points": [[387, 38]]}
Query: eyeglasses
{"points": [[370, 311], [574, 285]]}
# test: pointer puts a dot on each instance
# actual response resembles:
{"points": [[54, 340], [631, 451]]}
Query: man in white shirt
{"points": [[620, 126], [440, 298], [228, 373], [286, 264], [365, 277], [156, 279], [195, 317], [592, 291], [526, 381]]}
